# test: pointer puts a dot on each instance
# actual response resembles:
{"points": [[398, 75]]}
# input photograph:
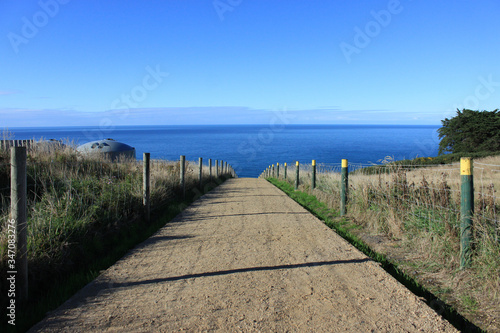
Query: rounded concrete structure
{"points": [[109, 148]]}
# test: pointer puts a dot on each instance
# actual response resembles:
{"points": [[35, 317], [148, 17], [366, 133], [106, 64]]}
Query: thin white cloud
{"points": [[8, 92], [227, 115]]}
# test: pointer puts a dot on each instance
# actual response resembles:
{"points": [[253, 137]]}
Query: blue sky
{"points": [[113, 62]]}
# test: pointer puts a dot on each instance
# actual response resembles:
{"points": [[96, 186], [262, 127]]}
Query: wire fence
{"points": [[73, 200], [402, 198], [81, 188]]}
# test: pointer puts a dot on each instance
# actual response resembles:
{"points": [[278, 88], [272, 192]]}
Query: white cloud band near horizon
{"points": [[225, 115]]}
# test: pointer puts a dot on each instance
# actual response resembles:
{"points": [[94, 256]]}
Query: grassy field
{"points": [[84, 214], [410, 212]]}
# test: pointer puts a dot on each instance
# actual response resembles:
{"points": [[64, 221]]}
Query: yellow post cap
{"points": [[344, 163], [314, 162], [285, 163], [297, 163], [466, 166]]}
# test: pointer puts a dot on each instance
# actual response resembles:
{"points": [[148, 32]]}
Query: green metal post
{"points": [[297, 175], [344, 182], [313, 180], [467, 210]]}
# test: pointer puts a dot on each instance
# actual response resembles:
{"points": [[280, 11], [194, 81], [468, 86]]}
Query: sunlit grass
{"points": [[416, 204], [84, 209]]}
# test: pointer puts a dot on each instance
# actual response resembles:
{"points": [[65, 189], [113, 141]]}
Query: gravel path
{"points": [[244, 258]]}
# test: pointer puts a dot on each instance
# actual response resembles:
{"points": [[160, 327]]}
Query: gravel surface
{"points": [[244, 258]]}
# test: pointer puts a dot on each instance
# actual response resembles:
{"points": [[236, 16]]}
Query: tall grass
{"points": [[78, 207], [416, 207]]}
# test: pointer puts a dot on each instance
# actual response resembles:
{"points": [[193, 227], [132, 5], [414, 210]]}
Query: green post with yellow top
{"points": [[297, 175], [344, 175], [313, 180], [467, 210]]}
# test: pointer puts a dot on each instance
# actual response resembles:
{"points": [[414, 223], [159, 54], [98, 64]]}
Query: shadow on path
{"points": [[242, 270]]}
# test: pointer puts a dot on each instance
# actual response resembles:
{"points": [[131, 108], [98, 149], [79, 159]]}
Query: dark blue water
{"points": [[251, 148]]}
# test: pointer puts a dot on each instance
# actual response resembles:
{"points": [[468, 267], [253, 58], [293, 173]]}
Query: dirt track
{"points": [[247, 258]]}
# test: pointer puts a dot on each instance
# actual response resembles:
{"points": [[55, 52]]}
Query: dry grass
{"points": [[417, 210], [76, 204]]}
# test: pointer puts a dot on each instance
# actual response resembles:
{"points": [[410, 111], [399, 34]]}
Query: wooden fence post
{"points": [[210, 168], [18, 191], [344, 182], [216, 168], [146, 186], [201, 172], [284, 175], [278, 170], [183, 173], [467, 210], [313, 179], [297, 175]]}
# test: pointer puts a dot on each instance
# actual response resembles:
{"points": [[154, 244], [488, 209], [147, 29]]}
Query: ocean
{"points": [[251, 148]]}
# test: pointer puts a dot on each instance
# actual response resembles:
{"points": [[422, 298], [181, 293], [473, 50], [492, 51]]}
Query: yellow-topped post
{"points": [[467, 210], [285, 171], [297, 175], [344, 175], [278, 170], [313, 179]]}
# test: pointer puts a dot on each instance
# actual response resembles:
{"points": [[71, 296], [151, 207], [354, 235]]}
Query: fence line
{"points": [[433, 193], [7, 144], [64, 191]]}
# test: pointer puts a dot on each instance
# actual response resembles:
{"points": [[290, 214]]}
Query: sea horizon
{"points": [[250, 148]]}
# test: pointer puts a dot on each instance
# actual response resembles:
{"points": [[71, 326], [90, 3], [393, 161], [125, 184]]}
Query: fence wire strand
{"points": [[426, 192], [67, 194]]}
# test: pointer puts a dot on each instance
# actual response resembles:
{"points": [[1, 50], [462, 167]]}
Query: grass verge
{"points": [[343, 227], [105, 255], [84, 213]]}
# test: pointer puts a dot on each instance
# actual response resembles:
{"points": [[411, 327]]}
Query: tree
{"points": [[470, 131]]}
